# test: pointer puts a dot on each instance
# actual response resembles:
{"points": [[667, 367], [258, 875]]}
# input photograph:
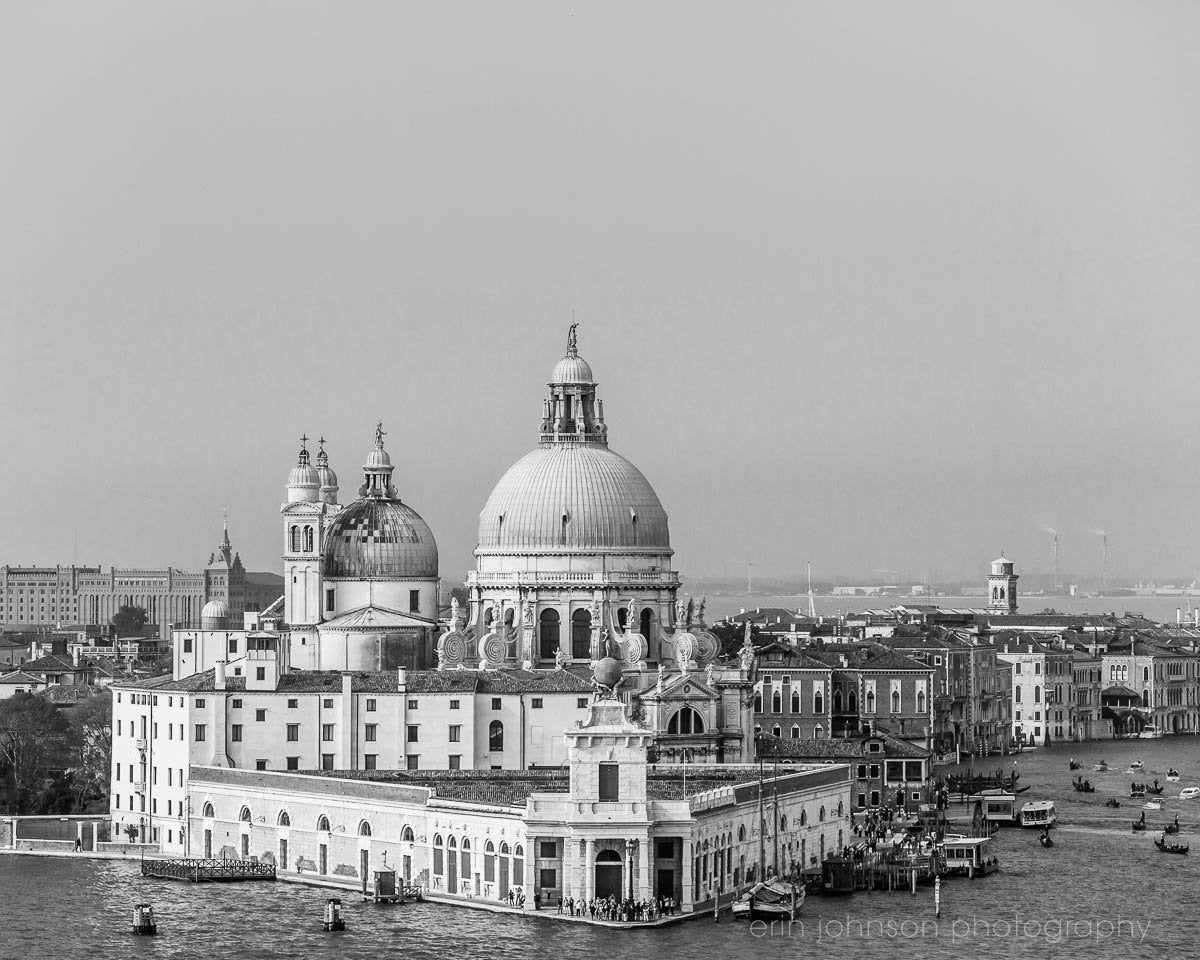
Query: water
{"points": [[1161, 609], [1098, 873]]}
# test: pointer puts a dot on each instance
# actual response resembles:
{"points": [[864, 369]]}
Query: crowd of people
{"points": [[624, 911], [516, 897]]}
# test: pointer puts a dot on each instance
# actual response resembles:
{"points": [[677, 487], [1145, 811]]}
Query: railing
{"points": [[200, 869], [522, 578]]}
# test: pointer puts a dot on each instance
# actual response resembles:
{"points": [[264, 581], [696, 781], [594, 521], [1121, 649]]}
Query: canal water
{"points": [[1102, 891]]}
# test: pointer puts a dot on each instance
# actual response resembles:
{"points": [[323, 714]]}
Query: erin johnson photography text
{"points": [[962, 929]]}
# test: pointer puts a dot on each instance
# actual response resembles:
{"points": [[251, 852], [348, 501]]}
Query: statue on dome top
{"points": [[572, 341], [380, 433]]}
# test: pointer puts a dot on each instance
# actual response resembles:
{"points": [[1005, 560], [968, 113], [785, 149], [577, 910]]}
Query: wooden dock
{"points": [[200, 870]]}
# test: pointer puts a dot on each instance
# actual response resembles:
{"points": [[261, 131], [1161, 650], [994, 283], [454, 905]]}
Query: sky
{"points": [[874, 285]]}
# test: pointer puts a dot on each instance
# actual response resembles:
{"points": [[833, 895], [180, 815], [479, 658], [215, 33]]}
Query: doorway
{"points": [[503, 876], [608, 874], [207, 844], [666, 883]]}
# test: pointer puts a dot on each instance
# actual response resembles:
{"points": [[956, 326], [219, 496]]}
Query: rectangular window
{"points": [[412, 733], [327, 732], [293, 763], [610, 790], [199, 703], [666, 849], [293, 704], [455, 733], [454, 704], [199, 733], [187, 644], [236, 733], [412, 762], [549, 878], [327, 703], [895, 770], [260, 715], [414, 601], [260, 764], [237, 704], [369, 760], [874, 771], [456, 761], [536, 703], [260, 673], [233, 644], [547, 850], [369, 732], [327, 761], [293, 732], [329, 600], [862, 799], [581, 703], [495, 703], [412, 704], [862, 771], [370, 706]]}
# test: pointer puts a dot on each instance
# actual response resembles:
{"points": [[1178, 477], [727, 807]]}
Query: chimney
{"points": [[219, 675], [402, 679], [75, 656], [1178, 615]]}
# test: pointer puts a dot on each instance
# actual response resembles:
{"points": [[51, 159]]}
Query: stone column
{"points": [[530, 865], [645, 883], [689, 871], [589, 869], [627, 880], [570, 861]]}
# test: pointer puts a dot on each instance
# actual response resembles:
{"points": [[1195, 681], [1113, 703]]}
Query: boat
{"points": [[1172, 827], [1189, 793], [1038, 813], [1137, 791], [1150, 732], [1100, 767], [1044, 839], [996, 808], [969, 856], [771, 899], [1168, 846], [1073, 764], [1082, 786], [1112, 802], [1139, 824], [1154, 804], [1136, 765], [1156, 789], [1172, 775]]}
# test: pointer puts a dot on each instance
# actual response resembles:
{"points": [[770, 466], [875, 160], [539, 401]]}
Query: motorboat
{"points": [[1172, 775], [1137, 791], [1150, 731], [1038, 814], [1169, 846], [1112, 802], [1189, 793], [1136, 765], [969, 856], [1100, 767], [1154, 804], [772, 899]]}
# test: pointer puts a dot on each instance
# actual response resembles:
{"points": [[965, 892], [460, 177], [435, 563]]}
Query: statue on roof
{"points": [[662, 676], [380, 433], [560, 659], [455, 621], [572, 340], [700, 609], [708, 674], [680, 613]]}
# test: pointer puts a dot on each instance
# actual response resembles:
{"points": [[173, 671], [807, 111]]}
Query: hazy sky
{"points": [[876, 285]]}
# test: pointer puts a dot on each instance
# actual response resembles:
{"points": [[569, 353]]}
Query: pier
{"points": [[199, 870]]}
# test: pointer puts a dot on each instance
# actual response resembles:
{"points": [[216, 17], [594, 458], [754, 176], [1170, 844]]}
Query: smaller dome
{"points": [[572, 369], [304, 475], [378, 458], [215, 608], [328, 478]]}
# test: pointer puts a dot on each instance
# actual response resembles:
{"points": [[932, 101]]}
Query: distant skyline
{"points": [[877, 286]]}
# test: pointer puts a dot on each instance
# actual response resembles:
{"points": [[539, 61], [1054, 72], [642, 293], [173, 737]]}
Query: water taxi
{"points": [[772, 900], [1154, 804], [1189, 793], [1136, 765], [969, 856], [1100, 767], [1150, 732], [1172, 775], [1039, 814]]}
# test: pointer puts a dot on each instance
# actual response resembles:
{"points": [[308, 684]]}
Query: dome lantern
{"points": [[377, 471], [329, 480], [572, 413]]}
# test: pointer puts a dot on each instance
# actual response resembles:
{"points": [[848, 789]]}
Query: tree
{"points": [[128, 621], [91, 744], [34, 739]]}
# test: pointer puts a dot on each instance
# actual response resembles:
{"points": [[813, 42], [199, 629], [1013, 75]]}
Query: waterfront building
{"points": [[1087, 673], [610, 825], [1165, 680], [1042, 686], [794, 694]]}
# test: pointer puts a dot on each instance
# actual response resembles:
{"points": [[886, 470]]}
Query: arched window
{"points": [[322, 824], [742, 833], [295, 539], [818, 731], [837, 701], [283, 819], [1145, 674], [777, 702], [437, 840], [244, 816], [647, 624], [686, 720], [504, 849], [622, 618], [853, 704], [1037, 694], [795, 731], [758, 701], [818, 703], [1017, 694], [308, 539], [795, 701], [548, 634], [920, 701], [841, 809], [364, 829], [452, 844], [782, 822], [870, 701], [776, 731], [581, 635], [1145, 698], [208, 810], [821, 815], [496, 736], [895, 701], [804, 818], [407, 835]]}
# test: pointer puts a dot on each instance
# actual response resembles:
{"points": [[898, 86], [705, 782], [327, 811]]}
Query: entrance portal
{"points": [[608, 875], [666, 883]]}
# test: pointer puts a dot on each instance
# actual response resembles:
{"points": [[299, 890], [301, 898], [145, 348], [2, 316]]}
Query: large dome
{"points": [[609, 506], [379, 538]]}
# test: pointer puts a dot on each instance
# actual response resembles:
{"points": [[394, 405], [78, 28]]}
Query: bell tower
{"points": [[1002, 587]]}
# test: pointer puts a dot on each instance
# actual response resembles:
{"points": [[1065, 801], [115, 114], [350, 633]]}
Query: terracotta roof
{"points": [[53, 663], [839, 748], [19, 676]]}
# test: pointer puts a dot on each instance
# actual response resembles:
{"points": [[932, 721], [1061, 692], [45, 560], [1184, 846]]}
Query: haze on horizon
{"points": [[875, 286]]}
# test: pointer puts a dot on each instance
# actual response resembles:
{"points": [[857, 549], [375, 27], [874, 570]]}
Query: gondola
{"points": [[1140, 823], [1044, 839], [1172, 827], [1156, 789], [1167, 847], [1082, 786], [1112, 802], [1074, 764]]}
